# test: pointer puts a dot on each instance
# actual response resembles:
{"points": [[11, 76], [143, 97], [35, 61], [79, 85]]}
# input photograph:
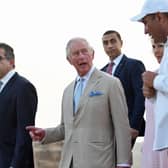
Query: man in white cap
{"points": [[154, 15]]}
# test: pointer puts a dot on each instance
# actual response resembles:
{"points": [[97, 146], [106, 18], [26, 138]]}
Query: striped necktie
{"points": [[78, 92]]}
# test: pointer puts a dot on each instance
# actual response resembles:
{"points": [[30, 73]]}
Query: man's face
{"points": [[5, 65], [112, 45], [81, 57], [154, 27]]}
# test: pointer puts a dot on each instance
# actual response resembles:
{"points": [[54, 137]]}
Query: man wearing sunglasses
{"points": [[18, 104]]}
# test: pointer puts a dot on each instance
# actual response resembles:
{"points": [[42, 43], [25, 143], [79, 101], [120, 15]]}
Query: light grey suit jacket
{"points": [[98, 136]]}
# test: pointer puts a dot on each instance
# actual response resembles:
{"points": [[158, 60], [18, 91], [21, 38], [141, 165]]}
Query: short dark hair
{"points": [[113, 31], [9, 52]]}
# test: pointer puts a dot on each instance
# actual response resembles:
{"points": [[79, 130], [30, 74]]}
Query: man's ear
{"points": [[121, 43], [69, 60], [12, 62], [93, 53]]}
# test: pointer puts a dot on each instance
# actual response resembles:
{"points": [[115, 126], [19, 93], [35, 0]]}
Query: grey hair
{"points": [[68, 46]]}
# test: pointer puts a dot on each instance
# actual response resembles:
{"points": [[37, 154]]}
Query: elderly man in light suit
{"points": [[154, 16], [96, 134]]}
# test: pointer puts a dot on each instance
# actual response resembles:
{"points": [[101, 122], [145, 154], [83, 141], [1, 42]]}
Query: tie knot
{"points": [[81, 79], [112, 63]]}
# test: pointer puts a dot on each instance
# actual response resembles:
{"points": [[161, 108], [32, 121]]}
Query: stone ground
{"points": [[48, 156]]}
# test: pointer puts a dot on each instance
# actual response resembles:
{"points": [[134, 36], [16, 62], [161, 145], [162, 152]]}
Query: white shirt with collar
{"points": [[6, 78], [161, 104], [116, 61], [86, 77]]}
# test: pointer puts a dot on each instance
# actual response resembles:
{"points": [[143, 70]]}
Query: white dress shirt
{"points": [[116, 61], [86, 77], [6, 78], [161, 104]]}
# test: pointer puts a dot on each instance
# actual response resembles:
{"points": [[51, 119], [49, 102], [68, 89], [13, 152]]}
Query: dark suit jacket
{"points": [[129, 72], [18, 105]]}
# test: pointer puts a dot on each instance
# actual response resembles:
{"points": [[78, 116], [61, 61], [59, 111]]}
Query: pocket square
{"points": [[95, 93]]}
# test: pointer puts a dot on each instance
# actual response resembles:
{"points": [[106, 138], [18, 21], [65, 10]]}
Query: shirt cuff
{"points": [[124, 165]]}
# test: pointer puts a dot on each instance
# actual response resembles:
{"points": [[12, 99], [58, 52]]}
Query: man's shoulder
{"points": [[21, 80], [132, 60], [105, 77]]}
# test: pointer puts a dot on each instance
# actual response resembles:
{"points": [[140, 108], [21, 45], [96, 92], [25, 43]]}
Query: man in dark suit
{"points": [[129, 72], [18, 105]]}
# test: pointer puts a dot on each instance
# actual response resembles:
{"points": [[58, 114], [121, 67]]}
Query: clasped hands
{"points": [[148, 79]]}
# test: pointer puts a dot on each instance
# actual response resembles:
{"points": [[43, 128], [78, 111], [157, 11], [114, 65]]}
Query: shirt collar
{"points": [[8, 76], [87, 76], [166, 44], [117, 59]]}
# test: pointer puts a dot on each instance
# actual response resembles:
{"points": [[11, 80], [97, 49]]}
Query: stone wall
{"points": [[48, 155]]}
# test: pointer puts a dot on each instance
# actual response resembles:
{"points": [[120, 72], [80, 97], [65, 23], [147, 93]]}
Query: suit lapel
{"points": [[120, 66], [9, 84], [94, 79], [70, 95], [104, 69]]}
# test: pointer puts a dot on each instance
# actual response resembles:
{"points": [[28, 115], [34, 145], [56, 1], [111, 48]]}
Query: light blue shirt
{"points": [[86, 77]]}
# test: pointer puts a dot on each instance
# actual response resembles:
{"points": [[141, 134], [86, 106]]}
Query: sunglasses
{"points": [[2, 58]]}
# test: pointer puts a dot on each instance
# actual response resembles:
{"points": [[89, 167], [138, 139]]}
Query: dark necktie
{"points": [[110, 68]]}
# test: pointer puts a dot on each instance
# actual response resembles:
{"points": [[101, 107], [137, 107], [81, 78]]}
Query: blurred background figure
{"points": [[154, 16], [151, 158], [129, 72]]}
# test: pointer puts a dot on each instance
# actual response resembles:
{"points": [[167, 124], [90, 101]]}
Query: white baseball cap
{"points": [[151, 7]]}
